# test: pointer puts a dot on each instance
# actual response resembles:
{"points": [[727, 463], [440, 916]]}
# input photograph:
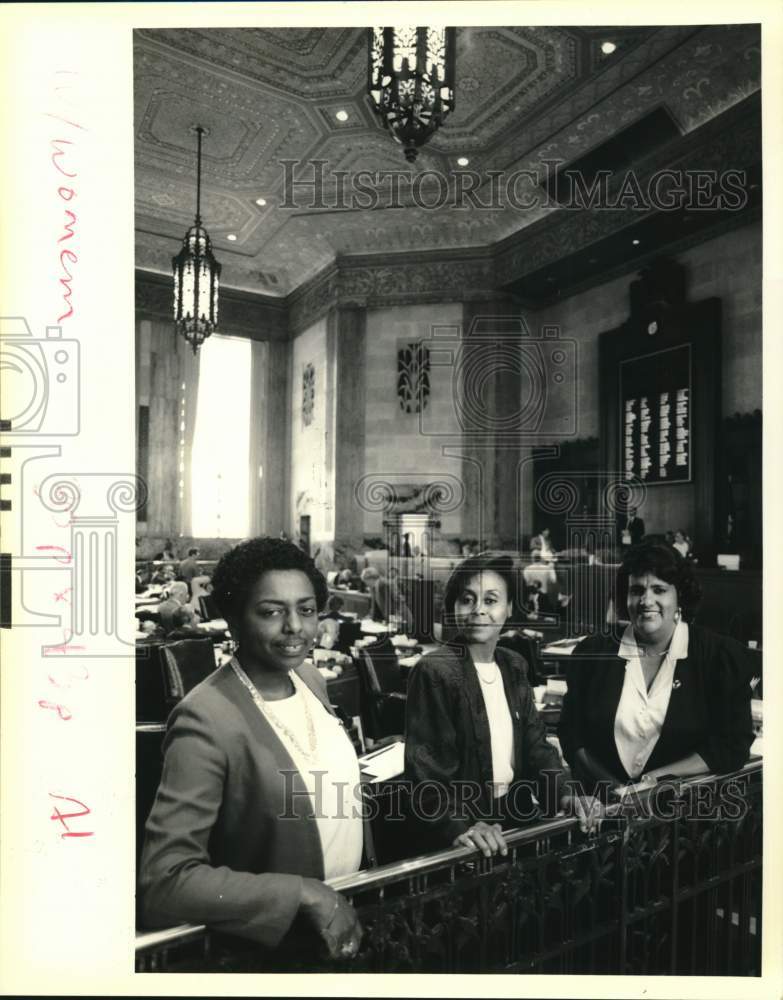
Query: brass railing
{"points": [[671, 885]]}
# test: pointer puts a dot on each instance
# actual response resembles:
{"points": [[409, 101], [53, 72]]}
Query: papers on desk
{"points": [[563, 647], [369, 627], [215, 625], [380, 765], [402, 641]]}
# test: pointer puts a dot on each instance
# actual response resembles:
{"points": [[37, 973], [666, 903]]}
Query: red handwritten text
{"points": [[61, 817]]}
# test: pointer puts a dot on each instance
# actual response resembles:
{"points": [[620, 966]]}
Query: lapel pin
{"points": [[676, 684]]}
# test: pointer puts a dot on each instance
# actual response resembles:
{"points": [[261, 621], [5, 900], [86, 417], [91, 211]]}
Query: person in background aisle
{"points": [[634, 528], [189, 567], [682, 543]]}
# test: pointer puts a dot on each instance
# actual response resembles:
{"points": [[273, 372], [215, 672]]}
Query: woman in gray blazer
{"points": [[259, 798]]}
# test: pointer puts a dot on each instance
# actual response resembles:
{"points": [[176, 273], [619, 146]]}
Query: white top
{"points": [[330, 774], [501, 729], [640, 713]]}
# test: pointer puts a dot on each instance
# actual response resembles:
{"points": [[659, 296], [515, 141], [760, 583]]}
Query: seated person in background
{"points": [[634, 528], [346, 580], [663, 698], [471, 724], [333, 608], [682, 543], [328, 633], [231, 841], [536, 601], [162, 576], [387, 599], [189, 567], [184, 623], [541, 547], [168, 553], [200, 586], [176, 598]]}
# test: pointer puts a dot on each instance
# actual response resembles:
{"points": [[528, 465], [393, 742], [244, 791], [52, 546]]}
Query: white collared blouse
{"points": [[640, 713]]}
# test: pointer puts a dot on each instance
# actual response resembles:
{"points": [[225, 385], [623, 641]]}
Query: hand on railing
{"points": [[587, 809], [487, 838], [333, 917]]}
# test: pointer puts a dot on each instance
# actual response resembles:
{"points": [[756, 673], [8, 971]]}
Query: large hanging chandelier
{"points": [[196, 276], [411, 81]]}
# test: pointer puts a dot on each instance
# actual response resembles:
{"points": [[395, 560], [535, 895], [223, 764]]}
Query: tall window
{"points": [[220, 471]]}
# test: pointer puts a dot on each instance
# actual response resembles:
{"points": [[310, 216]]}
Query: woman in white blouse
{"points": [[663, 698], [475, 744], [259, 799]]}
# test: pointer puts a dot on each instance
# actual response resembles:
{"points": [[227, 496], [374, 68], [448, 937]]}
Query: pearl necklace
{"points": [[484, 679], [263, 706]]}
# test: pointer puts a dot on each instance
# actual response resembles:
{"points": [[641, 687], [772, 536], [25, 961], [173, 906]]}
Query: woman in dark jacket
{"points": [[665, 697], [475, 745]]}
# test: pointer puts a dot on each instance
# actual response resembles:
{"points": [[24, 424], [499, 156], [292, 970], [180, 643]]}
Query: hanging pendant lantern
{"points": [[196, 276], [411, 81]]}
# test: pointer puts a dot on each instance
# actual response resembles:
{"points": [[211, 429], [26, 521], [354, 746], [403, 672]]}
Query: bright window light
{"points": [[220, 475]]}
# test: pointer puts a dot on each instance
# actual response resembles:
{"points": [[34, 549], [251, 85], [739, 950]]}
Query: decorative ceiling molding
{"points": [[524, 95], [732, 141]]}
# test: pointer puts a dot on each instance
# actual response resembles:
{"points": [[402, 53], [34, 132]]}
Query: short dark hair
{"points": [[239, 569], [502, 565], [667, 564], [192, 552]]}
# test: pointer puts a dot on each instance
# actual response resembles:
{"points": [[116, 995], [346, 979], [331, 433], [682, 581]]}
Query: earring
{"points": [[677, 615]]}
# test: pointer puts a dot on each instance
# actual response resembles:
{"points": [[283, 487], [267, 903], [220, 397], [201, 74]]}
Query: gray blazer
{"points": [[231, 833]]}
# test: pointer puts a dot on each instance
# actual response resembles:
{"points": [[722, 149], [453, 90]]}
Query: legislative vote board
{"points": [[655, 400]]}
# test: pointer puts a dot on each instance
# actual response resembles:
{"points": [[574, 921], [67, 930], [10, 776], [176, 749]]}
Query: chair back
{"points": [[185, 664], [383, 667], [347, 636], [381, 686], [208, 609], [528, 650]]}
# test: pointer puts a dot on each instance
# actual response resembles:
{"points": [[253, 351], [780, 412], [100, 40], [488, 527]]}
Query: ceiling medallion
{"points": [[196, 276], [411, 81]]}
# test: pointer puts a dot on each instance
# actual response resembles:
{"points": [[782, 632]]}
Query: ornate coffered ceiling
{"points": [[269, 95]]}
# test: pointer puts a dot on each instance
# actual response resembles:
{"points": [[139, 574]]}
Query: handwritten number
{"points": [[64, 713], [61, 817]]}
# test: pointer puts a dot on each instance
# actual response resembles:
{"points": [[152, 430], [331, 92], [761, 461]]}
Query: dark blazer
{"points": [[216, 849], [447, 741], [708, 713], [636, 530]]}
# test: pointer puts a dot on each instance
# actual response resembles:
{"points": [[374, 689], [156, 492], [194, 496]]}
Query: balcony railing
{"points": [[671, 885]]}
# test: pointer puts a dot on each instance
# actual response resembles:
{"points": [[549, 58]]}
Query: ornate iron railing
{"points": [[671, 885]]}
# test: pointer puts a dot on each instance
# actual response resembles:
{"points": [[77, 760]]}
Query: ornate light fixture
{"points": [[196, 276], [411, 81]]}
